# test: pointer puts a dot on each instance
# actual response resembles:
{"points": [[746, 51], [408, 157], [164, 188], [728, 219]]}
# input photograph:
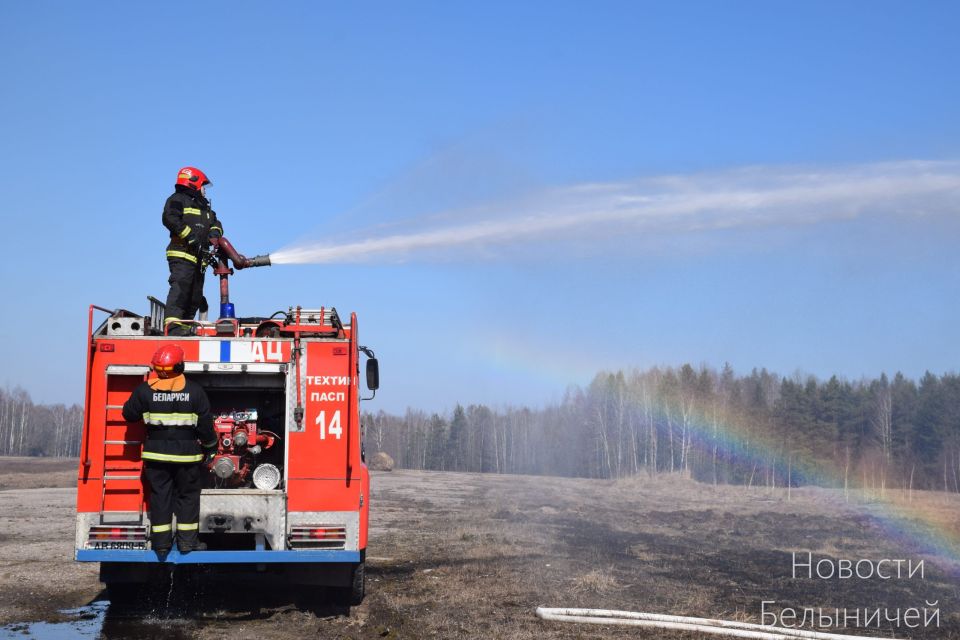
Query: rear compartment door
{"points": [[323, 467]]}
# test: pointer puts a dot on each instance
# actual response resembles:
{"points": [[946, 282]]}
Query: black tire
{"points": [[353, 595], [359, 586]]}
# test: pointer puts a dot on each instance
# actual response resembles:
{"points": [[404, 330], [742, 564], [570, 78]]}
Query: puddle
{"points": [[94, 622], [87, 623]]}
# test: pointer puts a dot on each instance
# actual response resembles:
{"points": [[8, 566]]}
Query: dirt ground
{"points": [[455, 555]]}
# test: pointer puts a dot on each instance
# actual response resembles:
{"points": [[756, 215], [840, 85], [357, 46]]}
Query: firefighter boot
{"points": [[161, 544], [188, 539], [187, 543]]}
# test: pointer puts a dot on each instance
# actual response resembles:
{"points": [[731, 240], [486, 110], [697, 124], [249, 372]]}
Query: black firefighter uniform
{"points": [[191, 222], [177, 415]]}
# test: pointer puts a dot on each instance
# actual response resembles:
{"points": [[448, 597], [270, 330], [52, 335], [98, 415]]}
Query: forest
{"points": [[28, 429], [714, 426]]}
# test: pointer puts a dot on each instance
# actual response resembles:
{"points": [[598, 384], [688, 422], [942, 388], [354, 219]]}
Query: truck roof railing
{"points": [[321, 322]]}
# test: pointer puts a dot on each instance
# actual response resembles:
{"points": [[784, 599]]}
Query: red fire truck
{"points": [[288, 492]]}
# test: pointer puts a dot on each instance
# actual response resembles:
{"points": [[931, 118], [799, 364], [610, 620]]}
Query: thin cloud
{"points": [[592, 213]]}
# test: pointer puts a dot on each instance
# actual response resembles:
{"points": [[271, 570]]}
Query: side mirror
{"points": [[373, 374]]}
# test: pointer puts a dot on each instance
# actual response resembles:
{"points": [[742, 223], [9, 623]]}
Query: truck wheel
{"points": [[353, 595], [358, 588]]}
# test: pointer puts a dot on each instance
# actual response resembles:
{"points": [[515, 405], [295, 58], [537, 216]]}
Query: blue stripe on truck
{"points": [[217, 557], [224, 351]]}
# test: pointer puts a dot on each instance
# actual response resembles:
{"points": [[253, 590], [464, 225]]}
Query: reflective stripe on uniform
{"points": [[181, 254], [188, 526], [185, 232], [178, 322], [171, 419], [160, 528], [169, 457], [217, 227], [191, 211]]}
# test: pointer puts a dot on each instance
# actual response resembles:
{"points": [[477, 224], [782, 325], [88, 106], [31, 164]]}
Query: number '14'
{"points": [[333, 428]]}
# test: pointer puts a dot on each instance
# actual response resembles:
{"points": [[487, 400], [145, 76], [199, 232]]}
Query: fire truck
{"points": [[287, 494]]}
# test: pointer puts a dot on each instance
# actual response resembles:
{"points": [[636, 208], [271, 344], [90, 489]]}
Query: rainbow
{"points": [[906, 524]]}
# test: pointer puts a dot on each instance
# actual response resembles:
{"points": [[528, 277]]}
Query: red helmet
{"points": [[168, 361], [192, 177]]}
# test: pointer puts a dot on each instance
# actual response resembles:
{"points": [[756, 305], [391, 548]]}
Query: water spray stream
{"points": [[595, 213]]}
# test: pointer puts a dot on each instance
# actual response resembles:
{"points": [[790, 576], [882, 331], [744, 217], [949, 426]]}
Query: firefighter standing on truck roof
{"points": [[177, 415], [192, 224]]}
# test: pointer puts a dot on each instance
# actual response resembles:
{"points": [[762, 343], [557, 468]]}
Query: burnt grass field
{"points": [[456, 555]]}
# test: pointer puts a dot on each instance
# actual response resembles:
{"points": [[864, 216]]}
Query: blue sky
{"points": [[332, 122]]}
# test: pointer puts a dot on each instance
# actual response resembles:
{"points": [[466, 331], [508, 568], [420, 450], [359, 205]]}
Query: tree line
{"points": [[715, 426], [28, 429]]}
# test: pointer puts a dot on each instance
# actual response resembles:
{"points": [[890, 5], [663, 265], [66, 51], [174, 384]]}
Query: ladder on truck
{"points": [[122, 470]]}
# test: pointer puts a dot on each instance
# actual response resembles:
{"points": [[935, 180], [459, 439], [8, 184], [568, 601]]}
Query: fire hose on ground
{"points": [[730, 628]]}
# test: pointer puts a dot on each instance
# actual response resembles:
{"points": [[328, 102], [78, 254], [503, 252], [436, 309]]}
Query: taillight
{"points": [[317, 537]]}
